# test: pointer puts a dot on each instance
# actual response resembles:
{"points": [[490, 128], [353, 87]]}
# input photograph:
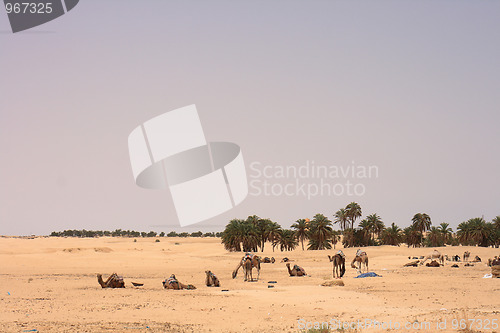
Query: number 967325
{"points": [[28, 8]]}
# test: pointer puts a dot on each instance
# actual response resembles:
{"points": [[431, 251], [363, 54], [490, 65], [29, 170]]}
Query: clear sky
{"points": [[411, 87]]}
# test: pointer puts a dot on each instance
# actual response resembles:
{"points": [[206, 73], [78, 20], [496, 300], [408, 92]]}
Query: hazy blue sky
{"points": [[409, 86]]}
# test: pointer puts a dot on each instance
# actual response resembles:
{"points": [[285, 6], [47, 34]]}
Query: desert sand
{"points": [[50, 284]]}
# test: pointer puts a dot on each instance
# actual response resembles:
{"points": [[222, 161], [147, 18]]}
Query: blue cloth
{"points": [[369, 274]]}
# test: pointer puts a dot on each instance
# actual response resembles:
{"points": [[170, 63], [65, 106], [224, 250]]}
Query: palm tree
{"points": [[353, 211], [376, 225], [446, 232], [341, 218], [496, 222], [480, 231], [411, 236], [274, 230], [434, 237], [421, 223], [301, 230], [366, 229], [320, 233], [464, 232], [354, 237], [231, 235], [392, 235], [286, 240]]}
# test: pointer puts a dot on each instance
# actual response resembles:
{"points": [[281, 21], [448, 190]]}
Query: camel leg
{"points": [[367, 270]]}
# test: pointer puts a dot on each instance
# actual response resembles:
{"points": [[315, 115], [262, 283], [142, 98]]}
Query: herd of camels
{"points": [[250, 261]]}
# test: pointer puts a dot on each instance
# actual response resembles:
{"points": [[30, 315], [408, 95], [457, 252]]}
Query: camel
{"points": [[211, 280], [248, 262], [286, 260], [433, 255], [268, 260], [412, 264], [296, 271], [476, 259], [466, 255], [361, 258], [173, 283], [113, 281], [494, 262], [433, 263], [338, 264]]}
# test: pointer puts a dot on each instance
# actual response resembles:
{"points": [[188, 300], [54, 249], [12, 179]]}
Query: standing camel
{"points": [[362, 259], [248, 262], [466, 255], [296, 271], [433, 255], [338, 264]]}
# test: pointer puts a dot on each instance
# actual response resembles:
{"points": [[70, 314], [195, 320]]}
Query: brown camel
{"points": [[494, 262], [211, 280], [248, 262], [433, 263], [362, 259], [338, 265], [113, 281], [466, 255], [412, 264], [173, 283], [268, 260], [433, 255], [296, 271]]}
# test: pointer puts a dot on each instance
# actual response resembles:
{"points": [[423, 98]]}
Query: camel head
{"points": [[288, 264]]}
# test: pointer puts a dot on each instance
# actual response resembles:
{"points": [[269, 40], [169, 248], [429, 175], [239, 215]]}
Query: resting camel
{"points": [[494, 262], [268, 260], [248, 262], [173, 283], [433, 263], [211, 280], [113, 281], [412, 264], [338, 264], [296, 271], [433, 255], [361, 258], [466, 255]]}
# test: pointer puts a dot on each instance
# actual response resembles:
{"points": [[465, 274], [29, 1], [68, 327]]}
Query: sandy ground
{"points": [[49, 284]]}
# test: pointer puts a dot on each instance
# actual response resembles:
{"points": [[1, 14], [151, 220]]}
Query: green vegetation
{"points": [[251, 234]]}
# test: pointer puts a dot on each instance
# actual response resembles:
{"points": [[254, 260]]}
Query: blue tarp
{"points": [[369, 274]]}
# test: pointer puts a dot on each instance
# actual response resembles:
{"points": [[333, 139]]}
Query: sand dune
{"points": [[50, 284]]}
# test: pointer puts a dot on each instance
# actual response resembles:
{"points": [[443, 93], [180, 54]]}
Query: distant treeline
{"points": [[252, 233], [130, 233]]}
